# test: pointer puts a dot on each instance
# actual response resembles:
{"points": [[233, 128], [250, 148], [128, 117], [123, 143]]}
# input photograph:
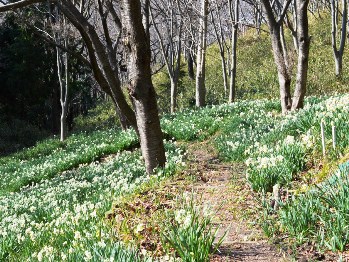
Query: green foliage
{"points": [[256, 70], [43, 162], [16, 134], [62, 218], [190, 232], [243, 129], [101, 117], [321, 214]]}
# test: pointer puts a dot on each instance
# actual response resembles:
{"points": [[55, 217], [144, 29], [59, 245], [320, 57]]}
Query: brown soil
{"points": [[223, 187]]}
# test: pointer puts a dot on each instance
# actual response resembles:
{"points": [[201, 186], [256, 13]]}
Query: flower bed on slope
{"points": [[43, 162], [62, 218]]}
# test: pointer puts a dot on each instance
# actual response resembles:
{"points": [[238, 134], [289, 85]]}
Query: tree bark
{"points": [[173, 95], [338, 53], [190, 61], [201, 56], [283, 72], [234, 39], [105, 73], [303, 54], [64, 90], [141, 88], [172, 57], [280, 57]]}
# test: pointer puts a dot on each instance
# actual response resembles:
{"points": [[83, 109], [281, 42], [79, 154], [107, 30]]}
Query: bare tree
{"points": [[63, 76], [275, 23], [303, 40], [275, 13], [234, 15], [102, 56], [141, 88], [339, 52], [201, 56], [169, 18], [60, 36], [216, 18]]}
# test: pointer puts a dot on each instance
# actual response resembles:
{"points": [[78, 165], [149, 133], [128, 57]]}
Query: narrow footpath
{"points": [[223, 187]]}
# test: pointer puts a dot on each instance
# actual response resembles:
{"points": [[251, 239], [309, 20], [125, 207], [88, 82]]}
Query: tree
{"points": [[217, 23], [169, 18], [60, 29], [303, 40], [275, 23], [141, 88], [234, 16], [218, 13], [102, 56], [338, 52], [201, 56]]}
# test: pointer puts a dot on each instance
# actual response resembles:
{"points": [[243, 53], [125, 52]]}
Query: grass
{"points": [[257, 75], [321, 214]]}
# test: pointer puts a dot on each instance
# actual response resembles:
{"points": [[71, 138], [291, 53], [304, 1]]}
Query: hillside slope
{"points": [[256, 71]]}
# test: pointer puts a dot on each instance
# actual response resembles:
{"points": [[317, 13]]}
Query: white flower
{"points": [[77, 235], [88, 255], [179, 215], [39, 256], [101, 244], [289, 140], [187, 221], [93, 214], [140, 227]]}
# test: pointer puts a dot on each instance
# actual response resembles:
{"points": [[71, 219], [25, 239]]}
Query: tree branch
{"points": [[20, 4]]}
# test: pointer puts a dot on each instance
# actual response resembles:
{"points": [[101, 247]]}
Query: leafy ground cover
{"points": [[51, 157], [54, 196], [285, 150], [62, 218]]}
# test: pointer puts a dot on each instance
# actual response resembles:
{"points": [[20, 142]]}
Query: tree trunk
{"points": [[303, 54], [280, 57], [338, 53], [141, 89], [63, 133], [338, 64], [283, 72], [234, 39], [201, 57], [104, 72], [190, 62], [224, 74], [55, 107], [173, 95], [64, 85]]}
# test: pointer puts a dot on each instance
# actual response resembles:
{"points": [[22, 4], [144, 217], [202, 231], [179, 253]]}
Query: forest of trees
{"points": [[70, 54], [174, 130]]}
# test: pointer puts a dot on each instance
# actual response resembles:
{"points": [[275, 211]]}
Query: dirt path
{"points": [[223, 185]]}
